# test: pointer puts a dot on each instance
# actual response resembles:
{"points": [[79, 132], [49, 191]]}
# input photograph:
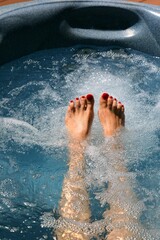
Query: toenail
{"points": [[77, 98], [83, 97], [89, 97], [71, 101], [119, 103], [115, 99], [110, 97], [105, 96]]}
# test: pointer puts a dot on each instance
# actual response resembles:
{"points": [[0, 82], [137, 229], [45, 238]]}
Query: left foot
{"points": [[79, 117], [111, 114]]}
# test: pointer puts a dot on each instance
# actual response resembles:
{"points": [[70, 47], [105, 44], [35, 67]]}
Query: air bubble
{"points": [[120, 171]]}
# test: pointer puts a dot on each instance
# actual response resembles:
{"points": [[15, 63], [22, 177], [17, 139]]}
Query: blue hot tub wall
{"points": [[33, 26]]}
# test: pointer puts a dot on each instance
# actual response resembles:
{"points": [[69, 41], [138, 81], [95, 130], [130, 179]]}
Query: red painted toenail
{"points": [[110, 97], [115, 99], [119, 102], [83, 97], [123, 106], [77, 98], [105, 96], [71, 101], [89, 97]]}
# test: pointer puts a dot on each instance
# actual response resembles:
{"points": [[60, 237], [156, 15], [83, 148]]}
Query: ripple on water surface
{"points": [[35, 91]]}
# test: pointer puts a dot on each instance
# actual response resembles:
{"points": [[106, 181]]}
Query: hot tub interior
{"points": [[35, 91]]}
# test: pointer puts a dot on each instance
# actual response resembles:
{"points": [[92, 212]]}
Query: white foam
{"points": [[12, 123], [38, 118]]}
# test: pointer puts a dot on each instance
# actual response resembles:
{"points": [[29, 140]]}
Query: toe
{"points": [[71, 106], [122, 116], [110, 102], [120, 113], [83, 103], [77, 104], [119, 108], [90, 101], [114, 106], [70, 110], [103, 99]]}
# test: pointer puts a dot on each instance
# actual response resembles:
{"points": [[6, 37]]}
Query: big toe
{"points": [[90, 101], [103, 100]]}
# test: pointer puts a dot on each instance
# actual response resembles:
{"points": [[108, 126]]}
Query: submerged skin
{"points": [[79, 118]]}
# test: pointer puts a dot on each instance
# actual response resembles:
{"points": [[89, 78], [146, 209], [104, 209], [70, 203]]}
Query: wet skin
{"points": [[78, 120]]}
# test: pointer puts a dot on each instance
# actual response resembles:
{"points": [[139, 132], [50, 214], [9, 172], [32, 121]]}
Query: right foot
{"points": [[111, 114], [79, 117]]}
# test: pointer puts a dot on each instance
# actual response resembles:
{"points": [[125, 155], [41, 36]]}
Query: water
{"points": [[34, 93]]}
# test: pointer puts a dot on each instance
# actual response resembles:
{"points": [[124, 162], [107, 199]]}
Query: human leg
{"points": [[112, 118], [74, 204]]}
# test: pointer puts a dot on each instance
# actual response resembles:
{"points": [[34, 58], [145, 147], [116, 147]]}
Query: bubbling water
{"points": [[34, 94]]}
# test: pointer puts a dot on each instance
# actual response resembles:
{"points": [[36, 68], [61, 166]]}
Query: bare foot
{"points": [[79, 117], [111, 114]]}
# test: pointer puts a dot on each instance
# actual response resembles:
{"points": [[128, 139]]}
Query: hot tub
{"points": [[34, 26], [52, 52]]}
